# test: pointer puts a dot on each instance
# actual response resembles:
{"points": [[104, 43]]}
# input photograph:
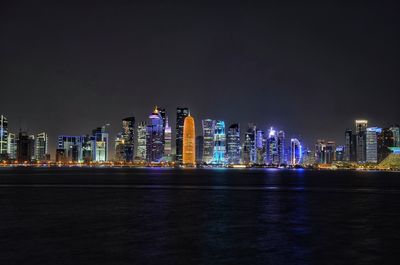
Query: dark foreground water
{"points": [[153, 216]]}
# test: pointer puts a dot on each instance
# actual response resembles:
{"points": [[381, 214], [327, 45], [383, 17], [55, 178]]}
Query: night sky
{"points": [[309, 69]]}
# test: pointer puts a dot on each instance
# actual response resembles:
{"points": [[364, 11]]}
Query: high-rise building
{"points": [[3, 137], [142, 146], [100, 144], [199, 149], [339, 153], [395, 129], [385, 141], [219, 143], [372, 144], [233, 144], [295, 152], [361, 129], [167, 139], [41, 147], [69, 149], [272, 156], [189, 142], [281, 148], [155, 137], [350, 151], [261, 147], [25, 148], [87, 147], [12, 146], [325, 152], [181, 114], [249, 145], [208, 127], [128, 136], [119, 148]]}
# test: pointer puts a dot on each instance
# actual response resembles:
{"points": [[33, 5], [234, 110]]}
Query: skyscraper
{"points": [[25, 147], [249, 145], [261, 148], [339, 153], [181, 114], [189, 142], [155, 137], [69, 149], [350, 154], [12, 146], [3, 137], [41, 147], [119, 148], [142, 146], [325, 152], [281, 148], [208, 127], [295, 152], [167, 139], [199, 149], [372, 144], [385, 141], [233, 144], [128, 136], [100, 144], [396, 135], [219, 143], [361, 128], [272, 156]]}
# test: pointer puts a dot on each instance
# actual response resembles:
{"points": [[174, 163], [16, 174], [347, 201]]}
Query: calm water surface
{"points": [[169, 216]]}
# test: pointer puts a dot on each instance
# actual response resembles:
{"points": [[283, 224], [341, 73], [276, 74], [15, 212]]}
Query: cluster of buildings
{"points": [[150, 142], [22, 147]]}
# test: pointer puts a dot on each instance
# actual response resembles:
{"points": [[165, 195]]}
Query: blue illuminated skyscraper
{"points": [[3, 136], [372, 144], [155, 137], [219, 143], [295, 152], [233, 144], [272, 156]]}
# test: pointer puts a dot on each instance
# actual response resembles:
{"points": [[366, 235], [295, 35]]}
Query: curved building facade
{"points": [[189, 142], [295, 152]]}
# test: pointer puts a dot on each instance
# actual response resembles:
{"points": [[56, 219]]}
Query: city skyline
{"points": [[289, 66]]}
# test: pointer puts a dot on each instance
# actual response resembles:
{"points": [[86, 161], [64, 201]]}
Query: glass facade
{"points": [[142, 146], [189, 142], [295, 152], [3, 136], [233, 144], [41, 147], [181, 114], [208, 127], [219, 143]]}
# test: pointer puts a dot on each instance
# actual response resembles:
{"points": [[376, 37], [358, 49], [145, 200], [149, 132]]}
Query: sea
{"points": [[198, 216]]}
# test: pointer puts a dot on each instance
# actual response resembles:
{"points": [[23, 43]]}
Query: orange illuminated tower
{"points": [[189, 140]]}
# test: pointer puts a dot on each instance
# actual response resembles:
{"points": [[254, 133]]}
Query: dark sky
{"points": [[309, 69]]}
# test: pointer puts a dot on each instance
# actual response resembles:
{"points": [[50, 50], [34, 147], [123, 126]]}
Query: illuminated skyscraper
{"points": [[361, 128], [12, 146], [119, 148], [155, 137], [128, 137], [167, 139], [339, 153], [208, 127], [219, 143], [249, 145], [295, 152], [350, 148], [261, 147], [3, 136], [41, 147], [142, 146], [189, 142], [372, 144], [69, 149], [100, 144], [233, 144], [325, 152], [181, 114], [385, 141], [272, 157]]}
